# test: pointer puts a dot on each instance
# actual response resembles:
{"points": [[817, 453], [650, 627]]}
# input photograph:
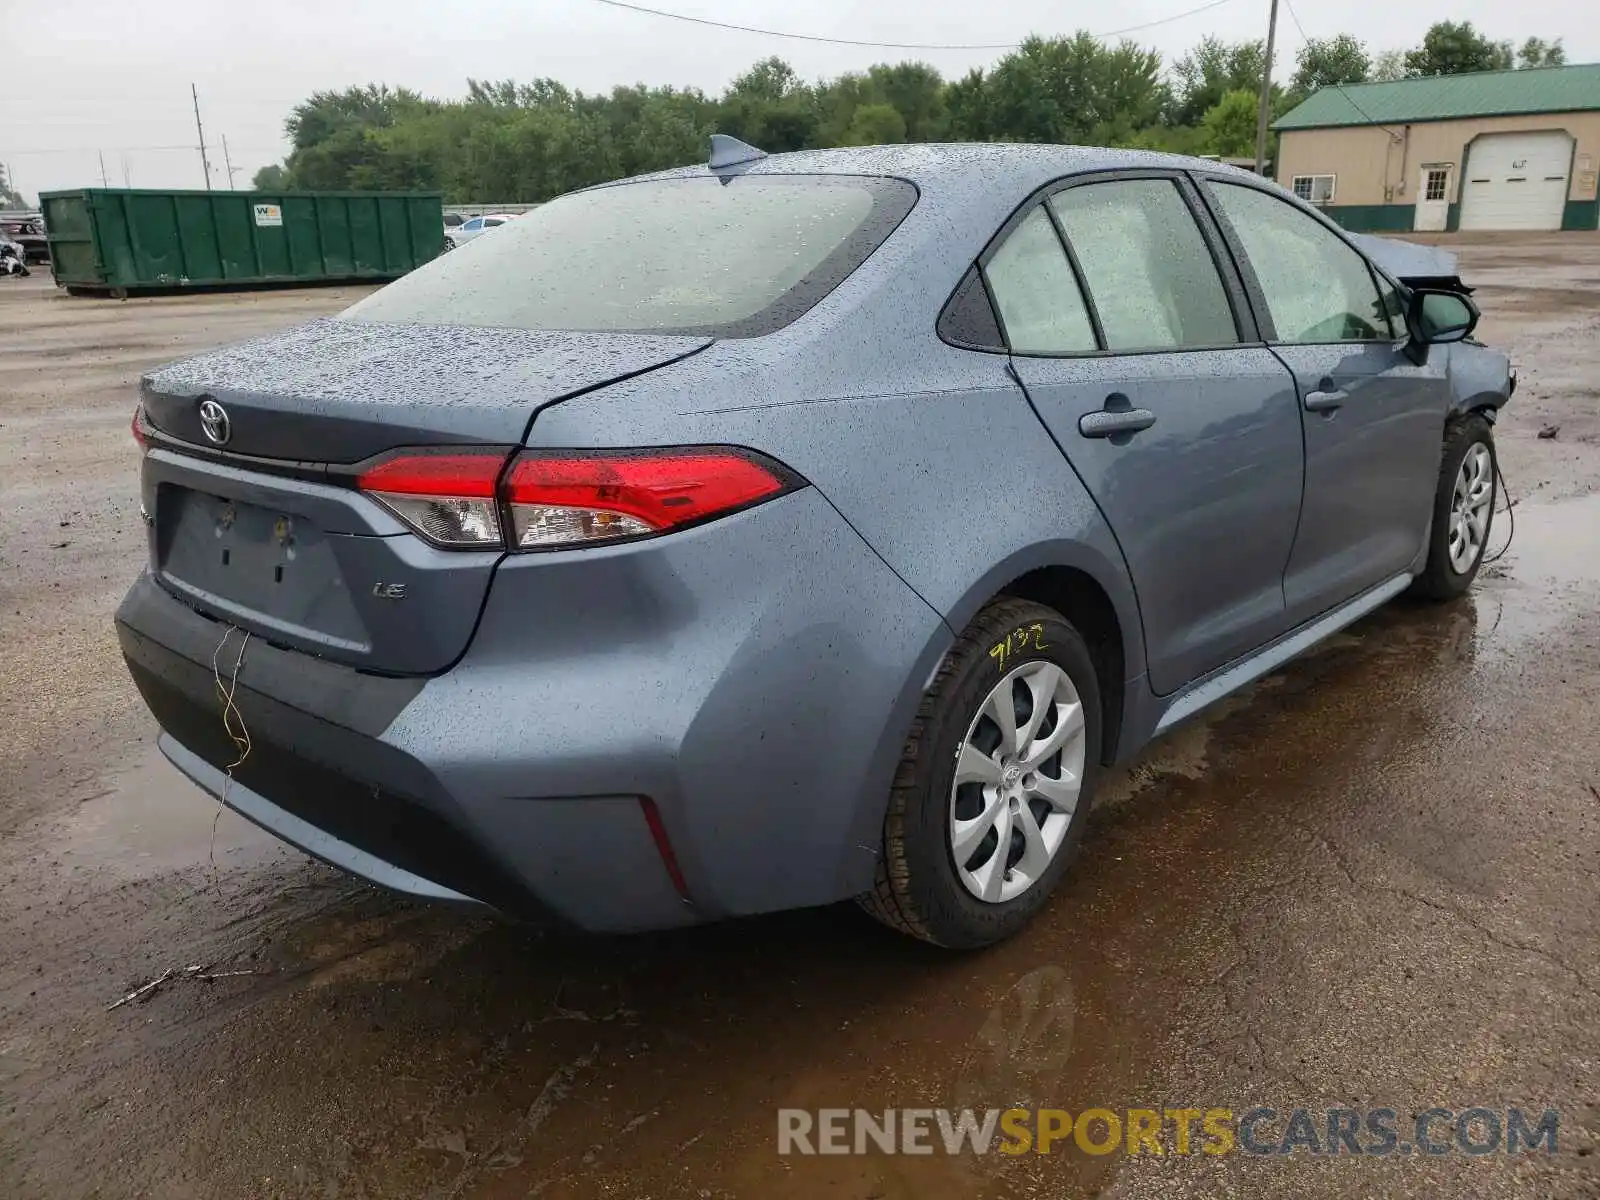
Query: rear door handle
{"points": [[1110, 422], [1326, 401]]}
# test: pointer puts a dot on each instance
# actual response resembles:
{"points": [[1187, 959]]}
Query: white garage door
{"points": [[1516, 181]]}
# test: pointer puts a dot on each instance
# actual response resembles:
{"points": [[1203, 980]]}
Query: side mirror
{"points": [[1435, 317]]}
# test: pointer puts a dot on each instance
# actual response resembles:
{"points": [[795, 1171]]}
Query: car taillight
{"points": [[449, 498], [550, 500], [138, 428], [563, 499]]}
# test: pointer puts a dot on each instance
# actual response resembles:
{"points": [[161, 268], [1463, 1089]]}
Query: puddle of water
{"points": [[152, 821], [1557, 542], [1548, 574]]}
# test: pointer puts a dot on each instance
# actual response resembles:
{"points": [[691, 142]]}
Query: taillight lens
{"points": [[458, 500], [565, 499], [138, 427], [448, 498]]}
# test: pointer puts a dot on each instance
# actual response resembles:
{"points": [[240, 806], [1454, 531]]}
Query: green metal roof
{"points": [[1449, 97]]}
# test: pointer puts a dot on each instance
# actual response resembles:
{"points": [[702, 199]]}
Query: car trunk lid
{"points": [[267, 532], [338, 391]]}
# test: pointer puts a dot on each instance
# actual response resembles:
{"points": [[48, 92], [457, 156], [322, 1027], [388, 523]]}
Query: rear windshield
{"points": [[733, 259]]}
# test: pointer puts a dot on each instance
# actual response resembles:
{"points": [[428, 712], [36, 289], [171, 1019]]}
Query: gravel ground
{"points": [[1367, 882]]}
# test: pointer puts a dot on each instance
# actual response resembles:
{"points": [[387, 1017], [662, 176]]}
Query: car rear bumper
{"points": [[746, 681]]}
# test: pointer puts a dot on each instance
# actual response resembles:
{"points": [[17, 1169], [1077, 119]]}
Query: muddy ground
{"points": [[1370, 882]]}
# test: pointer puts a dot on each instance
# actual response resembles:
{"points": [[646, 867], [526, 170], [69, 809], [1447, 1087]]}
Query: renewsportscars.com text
{"points": [[1376, 1132]]}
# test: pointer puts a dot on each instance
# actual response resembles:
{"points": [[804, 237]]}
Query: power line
{"points": [[189, 149], [95, 150], [833, 41], [1305, 38]]}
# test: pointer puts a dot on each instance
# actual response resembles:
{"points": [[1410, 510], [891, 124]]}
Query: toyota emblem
{"points": [[214, 423]]}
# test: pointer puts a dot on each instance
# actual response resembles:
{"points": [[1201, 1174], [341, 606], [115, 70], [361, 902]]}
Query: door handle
{"points": [[1109, 422], [1326, 401]]}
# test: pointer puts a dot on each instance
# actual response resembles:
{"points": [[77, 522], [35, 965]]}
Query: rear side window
{"points": [[1033, 286], [1152, 278], [734, 257], [1317, 288]]}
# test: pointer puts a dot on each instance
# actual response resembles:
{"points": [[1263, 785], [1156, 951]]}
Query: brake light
{"points": [[449, 498], [563, 499], [458, 500], [138, 427]]}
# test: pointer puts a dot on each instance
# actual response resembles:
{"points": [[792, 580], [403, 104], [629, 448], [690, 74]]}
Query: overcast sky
{"points": [[83, 76]]}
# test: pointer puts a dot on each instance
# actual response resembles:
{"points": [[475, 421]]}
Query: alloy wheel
{"points": [[1018, 773], [1471, 505]]}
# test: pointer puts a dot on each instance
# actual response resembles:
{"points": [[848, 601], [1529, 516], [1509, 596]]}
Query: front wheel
{"points": [[1463, 510], [994, 786]]}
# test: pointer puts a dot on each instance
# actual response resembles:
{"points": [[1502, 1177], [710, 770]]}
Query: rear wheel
{"points": [[1463, 510], [993, 789]]}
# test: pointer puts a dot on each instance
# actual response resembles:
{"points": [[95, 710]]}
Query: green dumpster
{"points": [[119, 240]]}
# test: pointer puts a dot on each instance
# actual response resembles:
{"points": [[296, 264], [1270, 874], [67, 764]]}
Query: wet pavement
{"points": [[1368, 882]]}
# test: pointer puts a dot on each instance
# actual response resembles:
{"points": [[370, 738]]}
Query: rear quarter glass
{"points": [[737, 257]]}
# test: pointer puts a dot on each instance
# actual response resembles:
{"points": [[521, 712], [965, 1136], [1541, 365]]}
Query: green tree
{"points": [[650, 129], [271, 178], [1230, 124], [326, 114], [506, 140], [768, 106], [1169, 139], [1536, 52], [1074, 90], [1449, 48], [1388, 66], [1210, 71], [875, 125], [9, 196], [916, 91], [1324, 62], [966, 105]]}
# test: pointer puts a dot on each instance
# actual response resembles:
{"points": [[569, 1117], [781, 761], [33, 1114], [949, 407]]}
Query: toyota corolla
{"points": [[791, 529]]}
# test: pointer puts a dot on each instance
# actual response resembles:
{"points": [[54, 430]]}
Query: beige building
{"points": [[1496, 150]]}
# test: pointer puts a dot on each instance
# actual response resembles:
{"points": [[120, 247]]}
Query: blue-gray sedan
{"points": [[791, 529]]}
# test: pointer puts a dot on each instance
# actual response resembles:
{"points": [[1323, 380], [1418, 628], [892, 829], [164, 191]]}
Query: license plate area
{"points": [[254, 560]]}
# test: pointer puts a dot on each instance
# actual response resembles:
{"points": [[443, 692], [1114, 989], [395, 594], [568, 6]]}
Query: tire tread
{"points": [[1438, 581], [891, 900]]}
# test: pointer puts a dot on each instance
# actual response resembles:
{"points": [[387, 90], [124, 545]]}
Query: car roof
{"points": [[934, 165]]}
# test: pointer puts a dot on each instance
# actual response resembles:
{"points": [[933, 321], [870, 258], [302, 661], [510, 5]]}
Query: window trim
{"points": [[1076, 266], [972, 291], [1250, 333], [1241, 260], [1000, 319], [1311, 187]]}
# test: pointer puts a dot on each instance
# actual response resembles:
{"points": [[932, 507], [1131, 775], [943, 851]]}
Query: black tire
{"points": [[1439, 579], [917, 890]]}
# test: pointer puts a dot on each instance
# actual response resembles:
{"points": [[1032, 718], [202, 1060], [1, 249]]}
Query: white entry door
{"points": [[1516, 181], [1433, 197]]}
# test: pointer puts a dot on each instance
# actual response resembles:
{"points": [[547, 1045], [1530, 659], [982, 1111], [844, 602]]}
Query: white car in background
{"points": [[473, 226]]}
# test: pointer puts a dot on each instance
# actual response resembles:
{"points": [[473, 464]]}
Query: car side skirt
{"points": [[1205, 692]]}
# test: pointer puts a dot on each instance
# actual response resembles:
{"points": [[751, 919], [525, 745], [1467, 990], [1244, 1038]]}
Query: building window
{"points": [[1317, 189], [1435, 186]]}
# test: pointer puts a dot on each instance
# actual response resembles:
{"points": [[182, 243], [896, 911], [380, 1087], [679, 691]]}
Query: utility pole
{"points": [[200, 129], [104, 182], [1266, 92], [228, 161]]}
